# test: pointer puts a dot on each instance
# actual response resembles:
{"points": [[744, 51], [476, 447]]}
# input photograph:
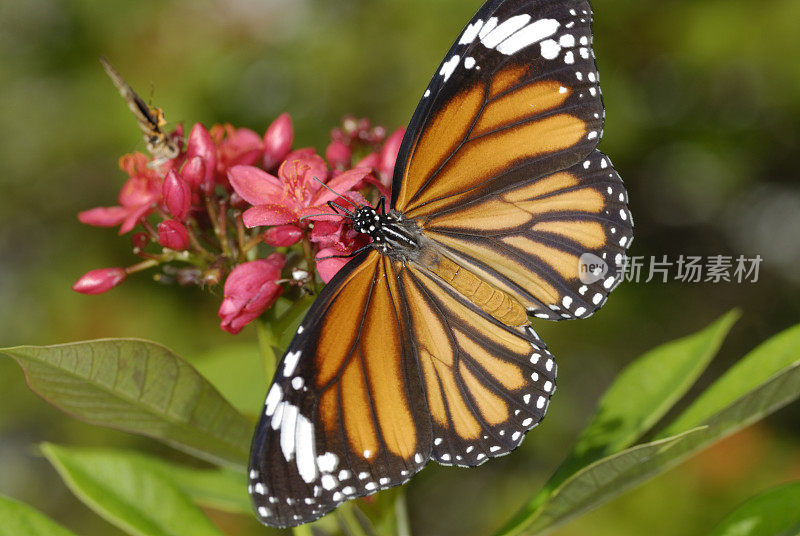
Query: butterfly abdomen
{"points": [[489, 298]]}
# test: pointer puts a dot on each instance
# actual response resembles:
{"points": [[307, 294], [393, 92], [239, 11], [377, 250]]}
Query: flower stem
{"points": [[195, 242], [401, 513], [241, 240], [310, 264], [144, 265], [266, 344], [150, 230], [346, 514], [213, 215], [253, 242]]}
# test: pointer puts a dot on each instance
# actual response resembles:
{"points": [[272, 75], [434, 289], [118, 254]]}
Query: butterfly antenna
{"points": [[381, 205], [319, 215], [337, 195], [335, 206]]}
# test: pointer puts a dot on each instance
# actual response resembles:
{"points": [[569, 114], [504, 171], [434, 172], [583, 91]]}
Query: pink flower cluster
{"points": [[234, 204]]}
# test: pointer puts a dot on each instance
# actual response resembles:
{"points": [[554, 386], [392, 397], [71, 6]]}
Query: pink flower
{"points": [[100, 280], [278, 141], [137, 198], [338, 155], [298, 192], [251, 289], [235, 147], [337, 240], [282, 236], [388, 156], [173, 235], [177, 196]]}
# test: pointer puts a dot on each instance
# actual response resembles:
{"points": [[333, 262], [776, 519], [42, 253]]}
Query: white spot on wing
{"points": [[327, 462], [305, 446], [490, 25], [290, 362], [471, 32], [328, 482], [532, 33], [504, 31], [550, 49], [274, 396], [287, 430], [277, 416], [449, 67]]}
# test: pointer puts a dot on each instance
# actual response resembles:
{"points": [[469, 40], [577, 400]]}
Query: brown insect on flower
{"points": [[151, 120]]}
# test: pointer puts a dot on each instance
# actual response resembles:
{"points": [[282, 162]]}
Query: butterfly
{"points": [[421, 347], [162, 146]]}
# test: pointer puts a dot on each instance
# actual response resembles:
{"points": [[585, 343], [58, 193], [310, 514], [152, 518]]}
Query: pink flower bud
{"points": [[140, 240], [200, 144], [177, 195], [338, 155], [370, 161], [194, 172], [251, 289], [388, 156], [100, 280], [278, 141], [173, 235], [282, 236]]}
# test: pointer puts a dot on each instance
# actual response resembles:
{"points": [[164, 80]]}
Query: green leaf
{"points": [[756, 367], [607, 478], [236, 370], [140, 387], [218, 487], [137, 500], [593, 485], [642, 393], [19, 519], [773, 512]]}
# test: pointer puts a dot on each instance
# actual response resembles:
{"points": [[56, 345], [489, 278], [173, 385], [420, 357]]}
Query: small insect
{"points": [[151, 120], [421, 347]]}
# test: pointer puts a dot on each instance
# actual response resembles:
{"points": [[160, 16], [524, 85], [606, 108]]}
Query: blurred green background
{"points": [[703, 105]]}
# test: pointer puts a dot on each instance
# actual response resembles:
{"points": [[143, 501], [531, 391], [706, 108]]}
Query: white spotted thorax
{"points": [[391, 233]]}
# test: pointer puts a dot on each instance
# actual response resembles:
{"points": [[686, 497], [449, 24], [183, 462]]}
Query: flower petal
{"points": [[341, 184], [268, 214], [103, 216], [278, 141], [256, 186], [327, 268], [135, 215]]}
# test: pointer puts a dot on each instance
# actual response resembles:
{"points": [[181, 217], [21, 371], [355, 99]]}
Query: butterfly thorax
{"points": [[392, 234], [402, 240]]}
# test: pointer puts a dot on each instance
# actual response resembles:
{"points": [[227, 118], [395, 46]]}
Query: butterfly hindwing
{"points": [[346, 414], [486, 383], [516, 97]]}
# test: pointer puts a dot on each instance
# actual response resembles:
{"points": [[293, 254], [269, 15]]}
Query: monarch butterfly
{"points": [[421, 347], [151, 120]]}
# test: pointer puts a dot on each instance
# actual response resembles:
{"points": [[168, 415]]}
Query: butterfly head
{"points": [[366, 220]]}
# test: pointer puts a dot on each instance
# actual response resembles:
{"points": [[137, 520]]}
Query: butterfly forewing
{"points": [[515, 98]]}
